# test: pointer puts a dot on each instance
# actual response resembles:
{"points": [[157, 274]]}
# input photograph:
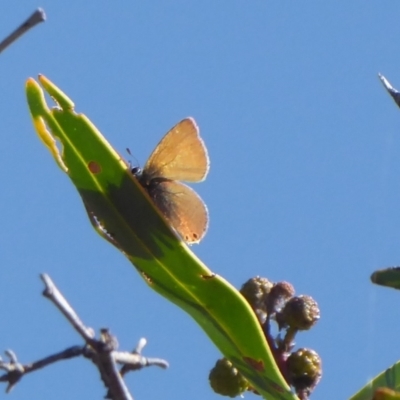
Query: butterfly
{"points": [[180, 156]]}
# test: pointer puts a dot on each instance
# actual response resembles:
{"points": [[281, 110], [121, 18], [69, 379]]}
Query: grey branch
{"points": [[15, 370], [55, 296], [102, 352], [37, 17]]}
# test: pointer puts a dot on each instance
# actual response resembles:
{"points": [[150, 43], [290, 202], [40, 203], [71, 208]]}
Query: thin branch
{"points": [[54, 295], [71, 352], [99, 351], [103, 358], [140, 346], [15, 370], [134, 360], [102, 352], [36, 18]]}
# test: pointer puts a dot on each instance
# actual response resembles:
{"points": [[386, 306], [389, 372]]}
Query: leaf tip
{"points": [[30, 82], [32, 86], [57, 95]]}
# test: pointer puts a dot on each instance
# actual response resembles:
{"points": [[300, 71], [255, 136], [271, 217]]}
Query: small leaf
{"points": [[389, 277]]}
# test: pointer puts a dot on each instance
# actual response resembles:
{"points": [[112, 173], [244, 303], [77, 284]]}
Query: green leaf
{"points": [[389, 277], [389, 379], [122, 212]]}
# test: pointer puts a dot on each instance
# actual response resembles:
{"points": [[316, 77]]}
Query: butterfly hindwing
{"points": [[182, 207]]}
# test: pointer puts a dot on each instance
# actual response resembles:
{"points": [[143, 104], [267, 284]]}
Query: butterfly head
{"points": [[136, 171]]}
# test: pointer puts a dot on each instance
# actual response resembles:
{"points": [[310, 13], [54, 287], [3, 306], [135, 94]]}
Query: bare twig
{"points": [[140, 346], [15, 370], [55, 296], [99, 351], [103, 357], [134, 360], [102, 352], [37, 17]]}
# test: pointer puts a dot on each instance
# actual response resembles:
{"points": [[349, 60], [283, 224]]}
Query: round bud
{"points": [[300, 312], [226, 380], [255, 291], [304, 371], [279, 294]]}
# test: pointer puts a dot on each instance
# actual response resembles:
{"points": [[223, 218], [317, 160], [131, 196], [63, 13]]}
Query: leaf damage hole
{"points": [[94, 167], [59, 145], [100, 226], [146, 278], [52, 142], [207, 277]]}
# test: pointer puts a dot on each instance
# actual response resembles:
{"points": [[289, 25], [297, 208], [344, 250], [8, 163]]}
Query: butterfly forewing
{"points": [[181, 155], [182, 207]]}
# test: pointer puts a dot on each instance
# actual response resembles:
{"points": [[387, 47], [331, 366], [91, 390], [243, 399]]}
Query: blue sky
{"points": [[304, 184]]}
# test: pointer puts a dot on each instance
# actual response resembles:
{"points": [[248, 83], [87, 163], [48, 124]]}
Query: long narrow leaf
{"points": [[122, 213]]}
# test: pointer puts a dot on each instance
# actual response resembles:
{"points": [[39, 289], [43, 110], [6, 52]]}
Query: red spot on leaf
{"points": [[257, 365], [278, 388], [94, 167]]}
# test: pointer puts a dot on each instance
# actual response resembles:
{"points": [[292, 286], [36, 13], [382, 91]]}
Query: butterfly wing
{"points": [[182, 207], [181, 155]]}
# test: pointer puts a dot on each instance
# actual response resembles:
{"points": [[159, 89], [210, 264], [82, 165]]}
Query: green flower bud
{"points": [[226, 380], [304, 371]]}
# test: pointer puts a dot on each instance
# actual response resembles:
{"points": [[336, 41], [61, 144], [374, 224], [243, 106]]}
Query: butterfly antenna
{"points": [[135, 170]]}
